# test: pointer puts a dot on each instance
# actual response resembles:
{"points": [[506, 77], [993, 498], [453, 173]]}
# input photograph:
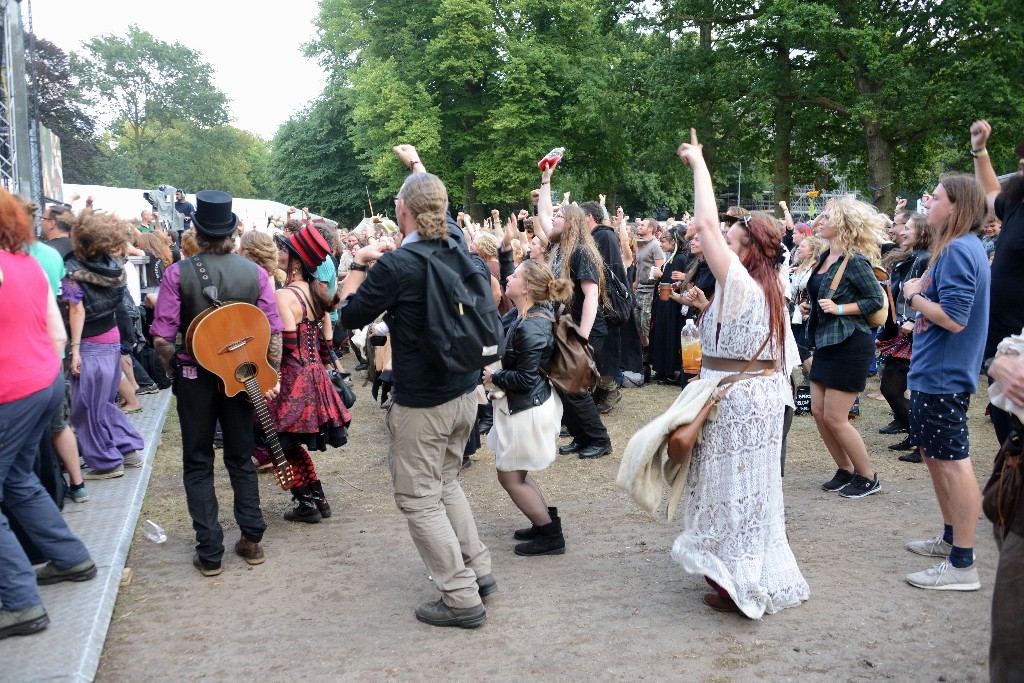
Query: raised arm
{"points": [[705, 214], [544, 209], [410, 157], [983, 171], [787, 217]]}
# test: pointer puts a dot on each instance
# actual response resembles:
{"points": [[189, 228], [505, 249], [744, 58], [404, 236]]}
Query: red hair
{"points": [[15, 226], [761, 261]]}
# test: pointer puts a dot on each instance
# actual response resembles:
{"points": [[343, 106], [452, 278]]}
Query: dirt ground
{"points": [[335, 600]]}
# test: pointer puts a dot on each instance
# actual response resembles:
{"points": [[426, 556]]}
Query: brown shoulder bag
{"points": [[685, 437]]}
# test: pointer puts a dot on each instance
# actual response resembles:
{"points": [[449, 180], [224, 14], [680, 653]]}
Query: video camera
{"points": [[162, 200]]}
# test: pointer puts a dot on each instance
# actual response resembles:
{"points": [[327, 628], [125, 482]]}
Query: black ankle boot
{"points": [[319, 499], [549, 541], [306, 510], [531, 533]]}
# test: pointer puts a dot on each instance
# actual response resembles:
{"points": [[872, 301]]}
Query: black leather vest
{"points": [[102, 281], [236, 279]]}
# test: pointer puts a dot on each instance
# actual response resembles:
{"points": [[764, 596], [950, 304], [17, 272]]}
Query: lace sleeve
{"points": [[740, 292]]}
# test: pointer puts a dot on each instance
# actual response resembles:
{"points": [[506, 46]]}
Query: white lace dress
{"points": [[734, 530]]}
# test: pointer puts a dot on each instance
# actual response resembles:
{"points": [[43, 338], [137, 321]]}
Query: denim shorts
{"points": [[938, 424]]}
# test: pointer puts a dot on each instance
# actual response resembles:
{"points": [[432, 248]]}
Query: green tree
{"points": [[148, 87], [62, 110], [312, 162]]}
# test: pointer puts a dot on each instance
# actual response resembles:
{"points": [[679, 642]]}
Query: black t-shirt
{"points": [[1006, 312], [62, 245], [581, 267]]}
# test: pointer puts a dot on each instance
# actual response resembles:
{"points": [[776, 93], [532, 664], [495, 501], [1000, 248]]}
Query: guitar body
{"points": [[231, 341]]}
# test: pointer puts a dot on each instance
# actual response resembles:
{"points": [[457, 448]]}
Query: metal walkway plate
{"points": [[69, 650]]}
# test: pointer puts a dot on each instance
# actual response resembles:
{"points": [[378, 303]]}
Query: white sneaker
{"points": [[946, 577], [933, 547]]}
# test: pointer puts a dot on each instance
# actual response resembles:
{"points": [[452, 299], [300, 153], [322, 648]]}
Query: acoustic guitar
{"points": [[231, 341]]}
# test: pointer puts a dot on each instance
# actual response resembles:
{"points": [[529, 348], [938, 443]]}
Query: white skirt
{"points": [[527, 440]]}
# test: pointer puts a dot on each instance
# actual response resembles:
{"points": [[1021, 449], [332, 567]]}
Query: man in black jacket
{"points": [[433, 410], [609, 357]]}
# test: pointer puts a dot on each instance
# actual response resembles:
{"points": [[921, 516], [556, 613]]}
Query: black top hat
{"points": [[213, 216]]}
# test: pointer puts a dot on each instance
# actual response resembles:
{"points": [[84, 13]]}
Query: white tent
{"points": [[129, 204]]}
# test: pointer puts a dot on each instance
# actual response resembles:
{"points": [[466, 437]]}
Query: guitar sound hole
{"points": [[245, 371]]}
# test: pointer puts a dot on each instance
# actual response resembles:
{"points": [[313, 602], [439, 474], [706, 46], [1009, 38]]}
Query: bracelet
{"points": [[358, 266], [75, 344], [840, 309], [910, 299], [979, 153], [545, 182], [413, 163]]}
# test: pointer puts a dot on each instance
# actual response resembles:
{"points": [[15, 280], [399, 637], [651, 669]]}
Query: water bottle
{"points": [[551, 159], [689, 341], [154, 531]]}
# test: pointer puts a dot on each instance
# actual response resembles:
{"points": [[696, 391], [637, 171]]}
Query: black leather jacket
{"points": [[528, 347]]}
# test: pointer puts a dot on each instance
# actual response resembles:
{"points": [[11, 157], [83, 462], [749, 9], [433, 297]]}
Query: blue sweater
{"points": [[944, 362]]}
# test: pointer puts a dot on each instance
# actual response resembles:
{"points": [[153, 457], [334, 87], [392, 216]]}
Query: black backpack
{"points": [[463, 332], [620, 299]]}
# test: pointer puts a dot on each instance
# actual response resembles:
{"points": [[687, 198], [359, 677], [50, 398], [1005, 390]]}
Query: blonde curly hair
{"points": [[487, 245], [859, 226], [260, 248]]}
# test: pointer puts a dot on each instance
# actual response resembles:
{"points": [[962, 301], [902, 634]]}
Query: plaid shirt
{"points": [[859, 285]]}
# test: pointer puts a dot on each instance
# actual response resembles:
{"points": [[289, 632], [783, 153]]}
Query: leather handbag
{"points": [[682, 440], [1003, 495]]}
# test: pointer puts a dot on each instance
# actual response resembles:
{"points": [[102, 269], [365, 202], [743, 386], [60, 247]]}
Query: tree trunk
{"points": [[880, 183], [883, 193]]}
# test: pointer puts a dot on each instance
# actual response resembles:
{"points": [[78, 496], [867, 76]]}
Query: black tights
{"points": [[894, 388]]}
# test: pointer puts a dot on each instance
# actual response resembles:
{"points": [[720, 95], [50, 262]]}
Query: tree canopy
{"points": [[878, 94]]}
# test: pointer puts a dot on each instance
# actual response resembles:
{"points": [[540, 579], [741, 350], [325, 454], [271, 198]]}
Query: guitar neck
{"points": [[259, 404]]}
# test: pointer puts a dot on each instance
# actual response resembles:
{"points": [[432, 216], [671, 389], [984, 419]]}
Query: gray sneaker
{"points": [[23, 622], [114, 472], [49, 574], [439, 614], [933, 547], [946, 577], [133, 459]]}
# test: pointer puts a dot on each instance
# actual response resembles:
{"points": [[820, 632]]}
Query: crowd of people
{"points": [[768, 296]]}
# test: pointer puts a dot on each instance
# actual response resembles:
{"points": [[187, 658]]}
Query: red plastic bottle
{"points": [[552, 159]]}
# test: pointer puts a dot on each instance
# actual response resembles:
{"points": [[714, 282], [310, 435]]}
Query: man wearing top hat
{"points": [[201, 403]]}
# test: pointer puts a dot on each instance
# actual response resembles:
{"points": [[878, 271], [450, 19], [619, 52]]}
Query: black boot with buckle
{"points": [[319, 499], [306, 510]]}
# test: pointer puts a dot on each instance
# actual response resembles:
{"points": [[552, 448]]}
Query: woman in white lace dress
{"points": [[734, 531]]}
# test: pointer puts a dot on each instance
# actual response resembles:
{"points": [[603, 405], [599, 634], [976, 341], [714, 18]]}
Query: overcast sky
{"points": [[254, 47]]}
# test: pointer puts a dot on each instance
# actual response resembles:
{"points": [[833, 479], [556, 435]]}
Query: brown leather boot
{"points": [[250, 551]]}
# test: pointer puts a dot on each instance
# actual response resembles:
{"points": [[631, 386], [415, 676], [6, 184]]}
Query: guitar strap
{"points": [[209, 291]]}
